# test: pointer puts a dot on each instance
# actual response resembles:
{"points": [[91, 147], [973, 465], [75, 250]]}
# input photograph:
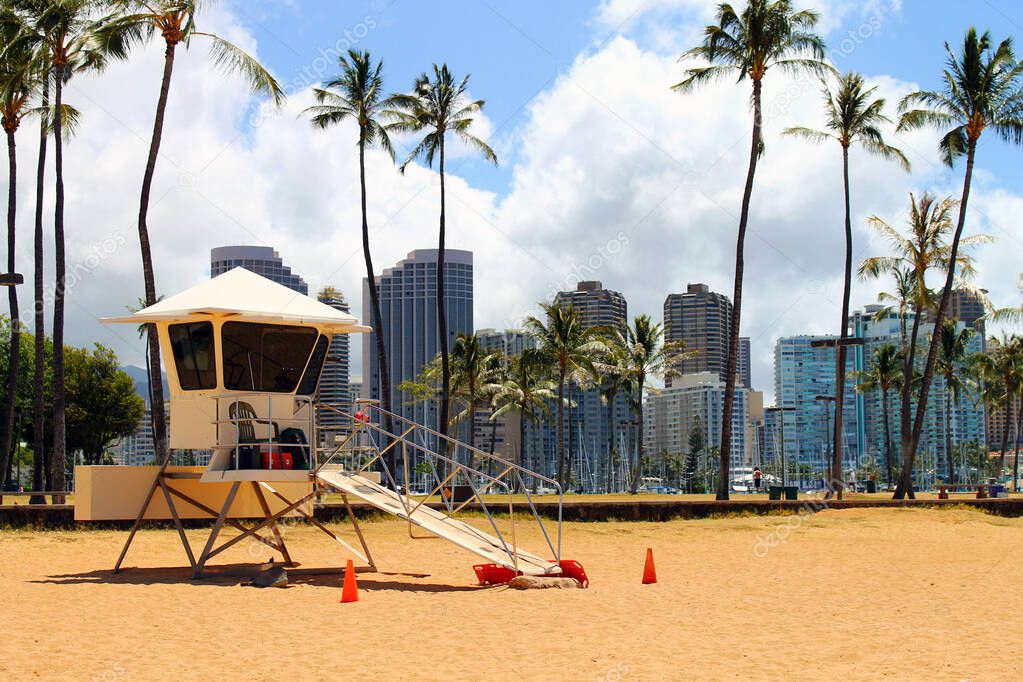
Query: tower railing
{"points": [[409, 446]]}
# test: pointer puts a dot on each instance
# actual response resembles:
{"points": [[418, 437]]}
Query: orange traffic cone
{"points": [[350, 591], [649, 573]]}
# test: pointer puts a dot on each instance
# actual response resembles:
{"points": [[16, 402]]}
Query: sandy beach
{"points": [[856, 594]]}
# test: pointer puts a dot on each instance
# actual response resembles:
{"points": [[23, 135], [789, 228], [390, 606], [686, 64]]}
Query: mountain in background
{"points": [[141, 378]]}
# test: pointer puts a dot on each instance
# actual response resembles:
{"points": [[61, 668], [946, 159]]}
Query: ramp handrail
{"points": [[409, 434]]}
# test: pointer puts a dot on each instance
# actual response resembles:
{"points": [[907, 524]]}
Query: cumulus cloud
{"points": [[615, 178]]}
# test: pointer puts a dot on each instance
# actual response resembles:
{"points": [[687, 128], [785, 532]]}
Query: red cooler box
{"points": [[275, 459]]}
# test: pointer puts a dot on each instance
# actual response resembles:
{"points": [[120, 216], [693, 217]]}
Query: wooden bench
{"points": [[983, 489]]}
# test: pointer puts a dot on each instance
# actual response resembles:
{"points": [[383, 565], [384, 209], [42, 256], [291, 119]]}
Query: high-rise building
{"points": [[408, 307], [744, 368], [670, 414], [967, 418], [968, 307], [701, 319], [595, 305], [801, 374], [511, 342], [335, 379], [262, 260]]}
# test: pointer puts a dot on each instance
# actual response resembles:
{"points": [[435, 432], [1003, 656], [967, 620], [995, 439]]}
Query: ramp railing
{"points": [[462, 475]]}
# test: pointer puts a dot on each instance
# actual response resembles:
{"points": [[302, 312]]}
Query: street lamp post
{"points": [[839, 344]]}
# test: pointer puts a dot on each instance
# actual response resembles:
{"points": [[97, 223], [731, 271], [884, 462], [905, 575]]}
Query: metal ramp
{"points": [[412, 457], [438, 523]]}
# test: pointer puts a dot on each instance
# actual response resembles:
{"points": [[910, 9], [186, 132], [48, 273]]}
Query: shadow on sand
{"points": [[232, 575]]}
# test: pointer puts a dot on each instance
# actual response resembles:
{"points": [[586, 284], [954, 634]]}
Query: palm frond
{"points": [[232, 59]]}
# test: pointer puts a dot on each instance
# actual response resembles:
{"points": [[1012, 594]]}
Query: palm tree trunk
{"points": [[1019, 435], [948, 437], [612, 444], [523, 451], [493, 440], [733, 333], [887, 439], [442, 314], [571, 452], [904, 487], [14, 361], [39, 378], [840, 350], [1005, 436], [946, 295], [561, 428], [159, 420], [383, 369], [57, 462], [637, 465]]}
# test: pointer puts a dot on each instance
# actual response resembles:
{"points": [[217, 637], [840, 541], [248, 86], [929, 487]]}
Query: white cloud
{"points": [[616, 178]]}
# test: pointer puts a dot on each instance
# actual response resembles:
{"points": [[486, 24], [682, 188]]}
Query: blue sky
{"points": [[597, 155], [515, 49]]}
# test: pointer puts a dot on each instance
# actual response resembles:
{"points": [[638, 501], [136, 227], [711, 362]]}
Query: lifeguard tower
{"points": [[243, 357]]}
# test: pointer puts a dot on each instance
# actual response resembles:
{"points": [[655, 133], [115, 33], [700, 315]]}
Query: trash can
{"points": [[871, 486], [774, 492], [791, 492]]}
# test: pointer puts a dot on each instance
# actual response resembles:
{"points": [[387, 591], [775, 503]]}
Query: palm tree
{"points": [[437, 107], [766, 34], [19, 81], [884, 374], [568, 345], [852, 115], [613, 380], [981, 90], [899, 302], [527, 392], [646, 356], [66, 29], [174, 20], [954, 344], [1001, 372], [923, 249], [990, 391], [357, 94], [473, 371]]}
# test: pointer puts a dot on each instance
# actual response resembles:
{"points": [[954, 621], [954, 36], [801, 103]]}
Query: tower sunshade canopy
{"points": [[243, 294]]}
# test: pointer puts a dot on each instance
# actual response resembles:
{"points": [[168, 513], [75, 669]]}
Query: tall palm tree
{"points": [[852, 115], [174, 20], [981, 90], [568, 345], [525, 391], [922, 250], [438, 106], [766, 34], [68, 31], [646, 356], [955, 346], [613, 374], [357, 94], [884, 374], [19, 81], [20, 19]]}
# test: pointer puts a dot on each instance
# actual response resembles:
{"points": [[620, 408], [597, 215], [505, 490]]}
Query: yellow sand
{"points": [[856, 594]]}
